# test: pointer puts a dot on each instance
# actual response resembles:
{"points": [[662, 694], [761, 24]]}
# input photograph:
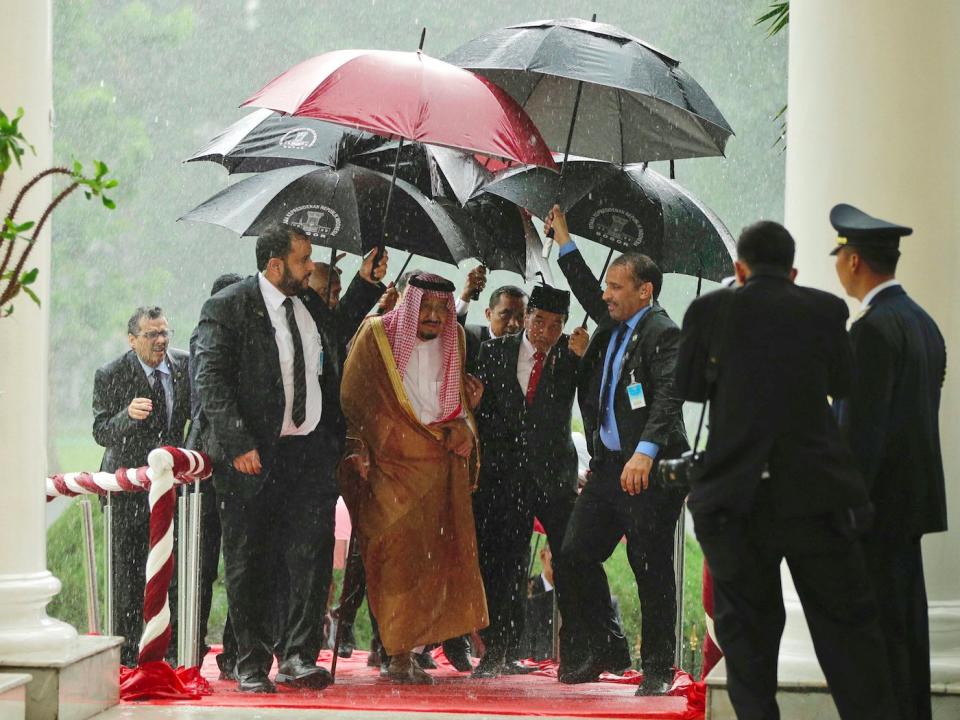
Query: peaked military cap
{"points": [[857, 229], [550, 299]]}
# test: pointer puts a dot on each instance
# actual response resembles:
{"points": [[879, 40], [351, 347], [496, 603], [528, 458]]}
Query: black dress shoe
{"points": [[587, 671], [488, 668], [300, 674], [653, 686], [457, 652], [515, 667], [258, 683], [425, 660]]}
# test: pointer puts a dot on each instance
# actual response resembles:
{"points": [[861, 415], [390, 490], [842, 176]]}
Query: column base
{"points": [[73, 683], [24, 625]]}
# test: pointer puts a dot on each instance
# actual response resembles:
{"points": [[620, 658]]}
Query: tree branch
{"points": [[14, 285]]}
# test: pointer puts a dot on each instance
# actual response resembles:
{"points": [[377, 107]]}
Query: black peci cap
{"points": [[857, 229], [550, 299]]}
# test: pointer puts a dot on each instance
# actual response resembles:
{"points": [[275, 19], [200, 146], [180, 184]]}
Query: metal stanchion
{"points": [[678, 562], [192, 629], [182, 522], [556, 628], [108, 542], [90, 566]]}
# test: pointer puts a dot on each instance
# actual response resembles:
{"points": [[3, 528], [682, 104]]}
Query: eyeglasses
{"points": [[154, 334]]}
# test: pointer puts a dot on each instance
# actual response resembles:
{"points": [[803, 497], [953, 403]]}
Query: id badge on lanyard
{"points": [[635, 392]]}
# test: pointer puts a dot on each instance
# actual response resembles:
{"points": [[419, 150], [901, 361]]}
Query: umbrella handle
{"points": [[405, 263], [330, 271], [386, 210]]}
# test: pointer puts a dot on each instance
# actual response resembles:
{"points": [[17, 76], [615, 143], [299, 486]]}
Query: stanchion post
{"points": [[108, 571], [678, 563], [90, 566], [193, 596], [183, 521]]}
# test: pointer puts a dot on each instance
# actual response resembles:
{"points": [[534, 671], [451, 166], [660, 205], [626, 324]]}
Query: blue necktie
{"points": [[608, 370]]}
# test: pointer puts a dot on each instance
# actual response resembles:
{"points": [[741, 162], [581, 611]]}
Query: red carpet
{"points": [[360, 688]]}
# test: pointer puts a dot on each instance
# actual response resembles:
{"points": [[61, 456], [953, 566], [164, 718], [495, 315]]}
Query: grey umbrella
{"points": [[637, 103], [628, 209]]}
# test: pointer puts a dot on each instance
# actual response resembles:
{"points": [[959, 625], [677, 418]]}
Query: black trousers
{"points": [[828, 569], [288, 523], [504, 508], [604, 513], [895, 565]]}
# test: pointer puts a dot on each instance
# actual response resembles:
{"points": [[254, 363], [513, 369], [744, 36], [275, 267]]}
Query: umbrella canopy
{"points": [[341, 209], [437, 171], [637, 103], [628, 209], [411, 96], [264, 140]]}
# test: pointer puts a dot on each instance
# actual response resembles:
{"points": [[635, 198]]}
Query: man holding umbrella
{"points": [[265, 366], [632, 417]]}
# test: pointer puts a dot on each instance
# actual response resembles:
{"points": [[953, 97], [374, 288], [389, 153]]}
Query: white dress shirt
{"points": [[525, 363], [423, 379], [312, 349]]}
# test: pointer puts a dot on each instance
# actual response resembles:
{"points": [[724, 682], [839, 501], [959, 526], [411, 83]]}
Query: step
{"points": [[75, 682], [13, 696]]}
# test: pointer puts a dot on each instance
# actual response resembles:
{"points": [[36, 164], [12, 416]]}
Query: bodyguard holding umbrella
{"points": [[632, 417]]}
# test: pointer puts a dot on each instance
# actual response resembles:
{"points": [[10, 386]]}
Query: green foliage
{"points": [[12, 141], [777, 17]]}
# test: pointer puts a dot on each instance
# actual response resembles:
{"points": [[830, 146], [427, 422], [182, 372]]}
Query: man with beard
{"points": [[529, 464], [141, 401], [411, 464], [264, 354]]}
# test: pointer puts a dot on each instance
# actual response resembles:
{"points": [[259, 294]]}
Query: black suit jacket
{"points": [[475, 336], [238, 373], [891, 418], [784, 354], [533, 440], [128, 441], [650, 356]]}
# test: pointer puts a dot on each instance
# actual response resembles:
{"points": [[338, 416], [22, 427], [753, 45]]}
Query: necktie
{"points": [[535, 372], [160, 399], [608, 379], [299, 411]]}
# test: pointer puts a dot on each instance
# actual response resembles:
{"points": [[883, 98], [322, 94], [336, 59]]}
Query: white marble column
{"points": [[874, 120], [26, 586]]}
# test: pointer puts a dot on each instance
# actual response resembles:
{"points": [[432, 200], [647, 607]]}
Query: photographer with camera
{"points": [[632, 417], [777, 481]]}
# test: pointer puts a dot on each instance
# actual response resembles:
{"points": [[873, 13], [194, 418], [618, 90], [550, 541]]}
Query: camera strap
{"points": [[718, 341]]}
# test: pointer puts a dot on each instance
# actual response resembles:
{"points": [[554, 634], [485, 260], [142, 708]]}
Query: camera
{"points": [[681, 471]]}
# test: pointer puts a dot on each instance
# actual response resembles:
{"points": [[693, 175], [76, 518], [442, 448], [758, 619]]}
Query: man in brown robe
{"points": [[410, 466]]}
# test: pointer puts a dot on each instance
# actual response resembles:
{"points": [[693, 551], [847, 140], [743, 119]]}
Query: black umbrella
{"points": [[265, 140], [340, 209], [628, 209], [437, 171], [637, 104]]}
